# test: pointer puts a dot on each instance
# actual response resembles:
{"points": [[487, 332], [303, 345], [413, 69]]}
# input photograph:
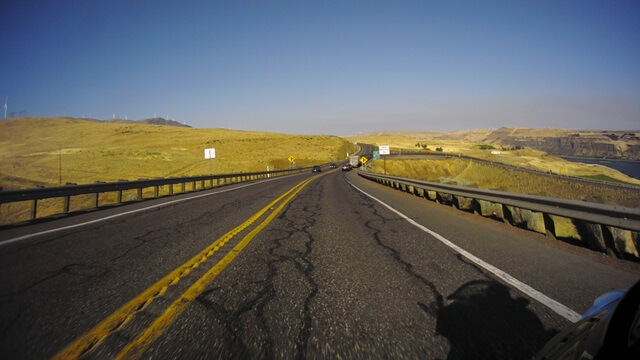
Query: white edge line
{"points": [[24, 237], [557, 307]]}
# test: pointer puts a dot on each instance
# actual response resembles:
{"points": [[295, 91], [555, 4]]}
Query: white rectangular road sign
{"points": [[210, 153], [384, 150]]}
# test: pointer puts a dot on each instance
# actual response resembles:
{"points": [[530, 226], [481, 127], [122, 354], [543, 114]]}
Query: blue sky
{"points": [[327, 67]]}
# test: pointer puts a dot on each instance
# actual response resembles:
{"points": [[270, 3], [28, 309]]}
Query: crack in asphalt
{"points": [[143, 239], [120, 221], [477, 268], [11, 323], [279, 254], [430, 309], [38, 243], [65, 270]]}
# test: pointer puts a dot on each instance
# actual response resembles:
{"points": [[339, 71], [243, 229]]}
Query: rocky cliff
{"points": [[596, 144]]}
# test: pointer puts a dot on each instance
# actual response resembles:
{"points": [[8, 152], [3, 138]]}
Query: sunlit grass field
{"points": [[54, 151], [470, 143], [485, 176]]}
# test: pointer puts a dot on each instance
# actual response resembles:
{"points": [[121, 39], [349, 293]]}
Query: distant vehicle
{"points": [[316, 169], [333, 166], [354, 161], [346, 168], [609, 330]]}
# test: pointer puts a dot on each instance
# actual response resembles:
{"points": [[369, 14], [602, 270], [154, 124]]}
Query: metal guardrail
{"points": [[66, 192], [616, 216]]}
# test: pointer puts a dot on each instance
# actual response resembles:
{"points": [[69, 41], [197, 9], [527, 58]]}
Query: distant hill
{"points": [[152, 121], [584, 143], [611, 144], [465, 135]]}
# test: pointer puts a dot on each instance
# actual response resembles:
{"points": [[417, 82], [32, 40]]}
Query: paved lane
{"points": [[57, 286], [334, 273]]}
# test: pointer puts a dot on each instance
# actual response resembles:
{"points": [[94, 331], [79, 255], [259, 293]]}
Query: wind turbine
{"points": [[5, 107]]}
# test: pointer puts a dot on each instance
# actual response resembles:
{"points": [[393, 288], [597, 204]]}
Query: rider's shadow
{"points": [[483, 321]]}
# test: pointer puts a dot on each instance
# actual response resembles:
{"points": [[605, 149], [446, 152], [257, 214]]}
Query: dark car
{"points": [[333, 166], [316, 169], [346, 168], [609, 330]]}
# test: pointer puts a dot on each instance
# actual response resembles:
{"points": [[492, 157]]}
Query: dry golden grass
{"points": [[468, 145], [484, 176], [31, 150]]}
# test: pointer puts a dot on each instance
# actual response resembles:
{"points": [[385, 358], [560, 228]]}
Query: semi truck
{"points": [[354, 161]]}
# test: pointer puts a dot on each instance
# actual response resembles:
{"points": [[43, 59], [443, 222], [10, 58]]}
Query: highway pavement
{"points": [[304, 266]]}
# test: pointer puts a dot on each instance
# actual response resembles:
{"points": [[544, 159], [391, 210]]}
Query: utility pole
{"points": [[6, 101]]}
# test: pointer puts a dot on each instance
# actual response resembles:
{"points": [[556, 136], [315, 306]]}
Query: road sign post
{"points": [[364, 160], [384, 150], [291, 160], [210, 154]]}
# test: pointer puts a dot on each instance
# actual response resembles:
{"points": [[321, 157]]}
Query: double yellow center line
{"points": [[115, 321]]}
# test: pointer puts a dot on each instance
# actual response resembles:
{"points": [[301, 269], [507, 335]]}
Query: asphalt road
{"points": [[324, 271]]}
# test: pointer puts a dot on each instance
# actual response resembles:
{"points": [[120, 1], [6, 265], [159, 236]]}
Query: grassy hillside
{"points": [[484, 176], [457, 141], [470, 145], [32, 149]]}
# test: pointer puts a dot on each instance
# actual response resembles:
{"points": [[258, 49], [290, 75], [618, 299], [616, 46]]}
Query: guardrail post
{"points": [[170, 189], [156, 191], [34, 208], [139, 193], [593, 235], [549, 226], [193, 186], [201, 184], [183, 187], [66, 201], [119, 199], [96, 199]]}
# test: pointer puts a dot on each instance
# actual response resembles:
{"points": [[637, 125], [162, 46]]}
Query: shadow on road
{"points": [[483, 321]]}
